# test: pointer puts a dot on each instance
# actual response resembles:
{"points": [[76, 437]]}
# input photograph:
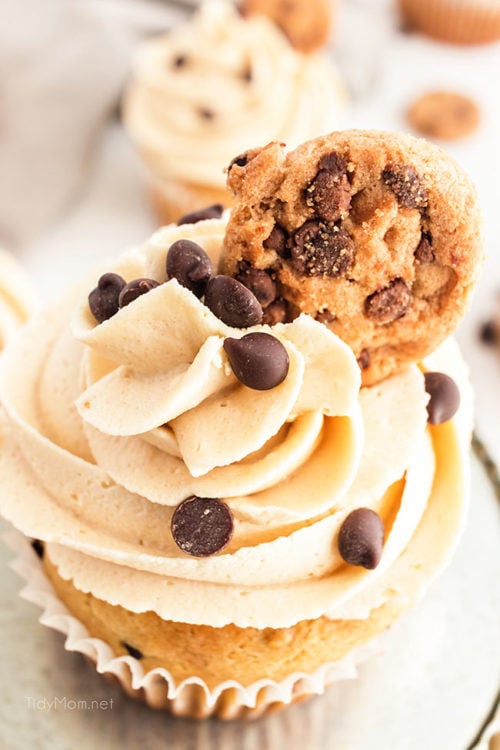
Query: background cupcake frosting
{"points": [[203, 92]]}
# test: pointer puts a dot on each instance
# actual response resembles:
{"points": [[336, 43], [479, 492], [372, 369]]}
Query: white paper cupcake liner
{"points": [[192, 697], [490, 738]]}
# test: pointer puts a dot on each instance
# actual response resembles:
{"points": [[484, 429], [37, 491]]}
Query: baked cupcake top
{"points": [[201, 93]]}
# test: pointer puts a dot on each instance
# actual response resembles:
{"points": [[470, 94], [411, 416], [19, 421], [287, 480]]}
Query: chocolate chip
{"points": [[132, 650], [134, 289], [210, 212], [232, 302], [190, 265], [260, 283], [364, 359], [424, 252], [202, 526], [488, 333], [361, 538], [276, 312], [259, 360], [179, 61], [247, 75], [329, 193], [277, 241], [103, 300], [390, 303], [206, 114], [325, 316], [319, 249], [38, 547], [405, 183], [239, 161], [444, 397]]}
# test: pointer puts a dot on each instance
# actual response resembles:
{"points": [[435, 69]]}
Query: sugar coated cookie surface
{"points": [[375, 234]]}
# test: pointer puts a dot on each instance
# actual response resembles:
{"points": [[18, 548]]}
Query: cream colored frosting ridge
{"points": [[17, 297], [109, 427], [239, 81]]}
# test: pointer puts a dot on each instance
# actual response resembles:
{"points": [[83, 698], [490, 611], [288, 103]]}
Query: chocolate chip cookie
{"points": [[306, 23], [377, 235], [444, 114]]}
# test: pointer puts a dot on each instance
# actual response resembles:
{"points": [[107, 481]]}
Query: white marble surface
{"points": [[440, 688]]}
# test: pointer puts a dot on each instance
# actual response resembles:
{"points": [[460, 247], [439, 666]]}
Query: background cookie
{"points": [[375, 234], [444, 114], [306, 23]]}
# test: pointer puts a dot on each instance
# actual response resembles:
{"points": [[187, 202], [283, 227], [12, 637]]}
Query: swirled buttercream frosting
{"points": [[111, 427], [17, 297], [201, 93]]}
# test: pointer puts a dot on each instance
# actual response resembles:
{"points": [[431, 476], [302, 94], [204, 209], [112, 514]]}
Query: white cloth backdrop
{"points": [[62, 67]]}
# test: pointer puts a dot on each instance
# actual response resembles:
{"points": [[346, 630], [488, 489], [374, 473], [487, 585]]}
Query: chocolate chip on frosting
{"points": [[134, 289], [361, 538], [206, 114], [179, 61], [232, 302], [329, 193], [202, 526], [103, 300], [38, 547], [259, 360], [444, 397], [260, 283], [405, 183], [390, 303], [320, 249], [190, 265], [209, 212]]}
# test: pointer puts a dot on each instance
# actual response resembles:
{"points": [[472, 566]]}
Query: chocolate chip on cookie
{"points": [[424, 252], [318, 248], [259, 282], [389, 303], [276, 312], [406, 185], [329, 193], [132, 650], [277, 241]]}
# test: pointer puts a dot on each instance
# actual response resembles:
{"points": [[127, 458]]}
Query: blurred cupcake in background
{"points": [[17, 297], [225, 80], [456, 21]]}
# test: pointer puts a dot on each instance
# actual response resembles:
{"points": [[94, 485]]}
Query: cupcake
{"points": [[17, 297], [456, 21], [201, 93], [228, 519]]}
